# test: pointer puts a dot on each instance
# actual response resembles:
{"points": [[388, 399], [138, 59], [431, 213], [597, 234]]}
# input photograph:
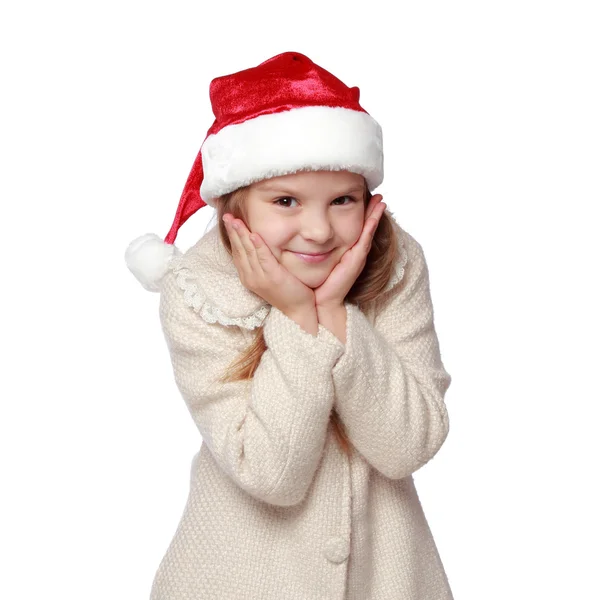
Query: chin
{"points": [[313, 282], [311, 276]]}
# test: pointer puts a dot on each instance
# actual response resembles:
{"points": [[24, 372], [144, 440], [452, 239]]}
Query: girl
{"points": [[302, 340]]}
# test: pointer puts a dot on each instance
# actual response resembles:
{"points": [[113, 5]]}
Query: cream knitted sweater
{"points": [[275, 510]]}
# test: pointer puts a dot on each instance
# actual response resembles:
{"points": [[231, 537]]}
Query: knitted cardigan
{"points": [[276, 511]]}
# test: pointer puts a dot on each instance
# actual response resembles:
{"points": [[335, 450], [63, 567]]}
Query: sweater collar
{"points": [[211, 285]]}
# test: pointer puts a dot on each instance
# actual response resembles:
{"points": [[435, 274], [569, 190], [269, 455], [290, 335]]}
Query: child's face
{"points": [[308, 212]]}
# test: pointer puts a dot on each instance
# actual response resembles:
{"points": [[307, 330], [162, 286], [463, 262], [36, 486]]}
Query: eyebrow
{"points": [[274, 188]]}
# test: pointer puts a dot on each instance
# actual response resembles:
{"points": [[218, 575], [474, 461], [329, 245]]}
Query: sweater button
{"points": [[337, 549]]}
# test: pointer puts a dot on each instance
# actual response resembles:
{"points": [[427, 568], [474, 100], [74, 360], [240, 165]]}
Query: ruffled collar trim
{"points": [[211, 285]]}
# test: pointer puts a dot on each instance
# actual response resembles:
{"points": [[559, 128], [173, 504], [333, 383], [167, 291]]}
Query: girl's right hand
{"points": [[263, 274]]}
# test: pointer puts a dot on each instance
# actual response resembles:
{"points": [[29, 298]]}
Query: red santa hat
{"points": [[285, 115]]}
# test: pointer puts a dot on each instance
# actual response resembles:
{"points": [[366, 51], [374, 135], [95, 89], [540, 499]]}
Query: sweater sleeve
{"points": [[390, 383], [266, 433]]}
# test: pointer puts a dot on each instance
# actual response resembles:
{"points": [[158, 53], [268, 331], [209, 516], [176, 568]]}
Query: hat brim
{"points": [[307, 138]]}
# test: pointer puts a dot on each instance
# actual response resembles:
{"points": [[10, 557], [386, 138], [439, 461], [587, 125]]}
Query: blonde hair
{"points": [[366, 291]]}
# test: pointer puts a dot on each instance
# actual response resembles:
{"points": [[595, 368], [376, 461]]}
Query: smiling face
{"points": [[308, 212]]}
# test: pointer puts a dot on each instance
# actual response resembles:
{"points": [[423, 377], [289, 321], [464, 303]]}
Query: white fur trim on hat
{"points": [[311, 137], [148, 258]]}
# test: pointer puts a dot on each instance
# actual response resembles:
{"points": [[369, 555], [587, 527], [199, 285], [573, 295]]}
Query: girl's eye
{"points": [[280, 199], [290, 198], [349, 197]]}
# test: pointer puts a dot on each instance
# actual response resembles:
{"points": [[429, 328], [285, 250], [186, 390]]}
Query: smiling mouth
{"points": [[313, 253], [313, 258]]}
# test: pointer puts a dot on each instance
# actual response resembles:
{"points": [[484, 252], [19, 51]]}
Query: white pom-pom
{"points": [[148, 258]]}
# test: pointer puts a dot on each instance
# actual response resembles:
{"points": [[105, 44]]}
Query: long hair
{"points": [[365, 292]]}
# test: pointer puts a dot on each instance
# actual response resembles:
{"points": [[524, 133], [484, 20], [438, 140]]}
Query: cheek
{"points": [[273, 239], [353, 232], [276, 232]]}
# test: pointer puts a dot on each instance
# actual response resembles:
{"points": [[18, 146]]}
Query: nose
{"points": [[316, 227]]}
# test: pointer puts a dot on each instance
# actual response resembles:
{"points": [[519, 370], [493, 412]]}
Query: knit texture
{"points": [[275, 509]]}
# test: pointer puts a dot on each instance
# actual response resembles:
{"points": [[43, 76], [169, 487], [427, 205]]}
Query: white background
{"points": [[491, 136]]}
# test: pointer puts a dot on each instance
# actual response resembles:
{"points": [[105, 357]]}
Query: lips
{"points": [[312, 253], [313, 258]]}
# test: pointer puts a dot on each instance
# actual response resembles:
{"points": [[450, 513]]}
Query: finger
{"points": [[371, 225], [372, 204], [377, 214], [244, 235], [372, 220], [239, 252], [265, 257]]}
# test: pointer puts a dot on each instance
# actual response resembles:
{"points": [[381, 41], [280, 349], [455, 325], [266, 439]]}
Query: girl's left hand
{"points": [[335, 288]]}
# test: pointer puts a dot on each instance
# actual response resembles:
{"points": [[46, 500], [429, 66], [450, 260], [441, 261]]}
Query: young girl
{"points": [[302, 340]]}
